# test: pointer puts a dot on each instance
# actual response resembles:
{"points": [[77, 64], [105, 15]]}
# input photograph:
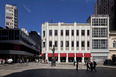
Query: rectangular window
{"points": [[56, 43], [67, 43], [61, 43], [50, 32], [72, 32], [77, 43], [67, 32], [88, 44], [83, 44], [50, 43], [43, 33], [61, 32], [72, 43], [56, 32], [83, 32], [77, 32], [87, 32], [43, 44]]}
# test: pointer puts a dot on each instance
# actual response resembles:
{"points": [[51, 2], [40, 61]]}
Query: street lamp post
{"points": [[53, 63]]}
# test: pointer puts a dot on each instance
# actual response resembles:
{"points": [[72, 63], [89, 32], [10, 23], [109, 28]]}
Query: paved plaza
{"points": [[61, 70]]}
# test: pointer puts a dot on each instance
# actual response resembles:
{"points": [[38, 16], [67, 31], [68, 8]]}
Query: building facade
{"points": [[74, 41], [107, 7], [36, 37], [11, 16], [16, 44], [112, 45]]}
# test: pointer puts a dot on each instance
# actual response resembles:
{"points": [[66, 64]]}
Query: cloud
{"points": [[26, 8]]}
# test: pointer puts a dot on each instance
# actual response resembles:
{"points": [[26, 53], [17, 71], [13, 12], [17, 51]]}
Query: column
{"points": [[58, 57], [67, 58], [83, 61], [46, 55]]}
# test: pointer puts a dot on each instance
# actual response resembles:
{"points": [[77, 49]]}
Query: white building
{"points": [[75, 41], [11, 16]]}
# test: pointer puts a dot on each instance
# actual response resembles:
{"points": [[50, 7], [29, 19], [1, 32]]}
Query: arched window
{"points": [[114, 44]]}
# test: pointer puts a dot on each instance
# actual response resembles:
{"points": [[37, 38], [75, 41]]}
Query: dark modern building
{"points": [[36, 37], [107, 7], [16, 44]]}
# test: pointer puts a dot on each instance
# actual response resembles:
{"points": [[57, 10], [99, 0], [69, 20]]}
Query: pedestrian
{"points": [[3, 61], [74, 62], [87, 64], [76, 65], [0, 61], [94, 66], [91, 66], [20, 61]]}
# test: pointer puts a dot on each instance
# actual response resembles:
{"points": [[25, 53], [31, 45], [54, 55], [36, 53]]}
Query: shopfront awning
{"points": [[42, 54], [87, 55], [71, 55], [79, 55], [62, 54], [50, 55]]}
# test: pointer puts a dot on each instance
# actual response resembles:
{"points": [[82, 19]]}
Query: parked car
{"points": [[9, 61]]}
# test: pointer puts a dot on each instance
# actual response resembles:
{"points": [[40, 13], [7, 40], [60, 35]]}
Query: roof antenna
{"points": [[51, 21]]}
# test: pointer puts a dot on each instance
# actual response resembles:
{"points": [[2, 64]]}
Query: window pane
{"points": [[61, 43], [61, 32], [72, 32], [50, 32], [56, 32], [67, 43], [67, 32], [77, 32], [56, 44], [83, 32], [88, 32], [83, 44], [72, 43], [50, 43], [77, 43]]}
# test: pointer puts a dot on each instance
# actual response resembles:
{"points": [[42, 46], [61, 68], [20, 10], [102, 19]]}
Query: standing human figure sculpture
{"points": [[53, 58]]}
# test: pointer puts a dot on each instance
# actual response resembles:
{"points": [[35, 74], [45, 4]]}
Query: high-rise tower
{"points": [[11, 16]]}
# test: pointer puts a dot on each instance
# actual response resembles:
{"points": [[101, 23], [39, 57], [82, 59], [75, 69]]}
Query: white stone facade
{"points": [[78, 41]]}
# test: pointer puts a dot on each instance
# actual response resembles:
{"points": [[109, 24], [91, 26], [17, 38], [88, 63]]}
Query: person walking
{"points": [[94, 66], [87, 64], [76, 65], [91, 66], [74, 62]]}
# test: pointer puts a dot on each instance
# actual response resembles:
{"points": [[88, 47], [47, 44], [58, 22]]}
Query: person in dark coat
{"points": [[76, 65], [94, 66], [91, 66], [87, 64]]}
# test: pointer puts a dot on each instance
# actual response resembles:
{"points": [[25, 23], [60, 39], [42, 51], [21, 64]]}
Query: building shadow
{"points": [[101, 72]]}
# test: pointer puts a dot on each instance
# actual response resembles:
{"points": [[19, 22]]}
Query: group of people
{"points": [[2, 61], [91, 65], [22, 60]]}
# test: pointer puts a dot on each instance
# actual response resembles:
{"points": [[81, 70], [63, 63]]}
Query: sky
{"points": [[33, 13]]}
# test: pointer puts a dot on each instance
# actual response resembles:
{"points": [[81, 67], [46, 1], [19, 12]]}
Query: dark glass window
{"points": [[50, 32], [87, 43], [67, 32], [56, 43], [50, 43], [72, 32], [83, 32], [11, 34], [61, 32], [77, 32], [67, 43], [72, 43], [43, 44], [83, 44], [56, 32], [43, 33], [61, 43], [16, 34], [88, 32], [77, 43]]}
